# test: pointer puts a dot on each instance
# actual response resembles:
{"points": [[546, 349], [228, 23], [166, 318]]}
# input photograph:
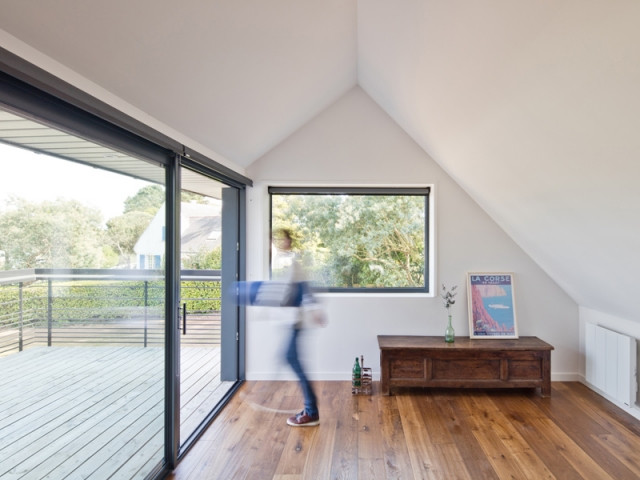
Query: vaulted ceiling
{"points": [[532, 107]]}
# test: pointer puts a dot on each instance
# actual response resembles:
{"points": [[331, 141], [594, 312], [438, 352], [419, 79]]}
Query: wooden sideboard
{"points": [[416, 361]]}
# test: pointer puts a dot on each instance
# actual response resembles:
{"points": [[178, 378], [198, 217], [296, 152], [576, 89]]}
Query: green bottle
{"points": [[357, 374], [449, 333]]}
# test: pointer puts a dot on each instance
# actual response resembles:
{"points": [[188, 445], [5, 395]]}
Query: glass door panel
{"points": [[81, 307], [205, 229]]}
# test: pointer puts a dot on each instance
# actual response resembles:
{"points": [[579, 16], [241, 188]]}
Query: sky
{"points": [[38, 177]]}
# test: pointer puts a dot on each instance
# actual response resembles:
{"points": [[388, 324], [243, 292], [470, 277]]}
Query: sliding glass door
{"points": [[119, 334], [208, 258], [82, 316]]}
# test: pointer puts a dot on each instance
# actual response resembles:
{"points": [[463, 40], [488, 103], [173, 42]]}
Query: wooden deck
{"points": [[96, 412]]}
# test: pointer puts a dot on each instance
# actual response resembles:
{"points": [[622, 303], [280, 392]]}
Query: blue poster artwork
{"points": [[491, 304]]}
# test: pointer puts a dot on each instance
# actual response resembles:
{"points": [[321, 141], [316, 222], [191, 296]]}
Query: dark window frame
{"points": [[380, 191], [30, 91]]}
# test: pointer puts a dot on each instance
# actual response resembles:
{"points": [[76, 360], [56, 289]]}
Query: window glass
{"points": [[81, 326], [355, 240]]}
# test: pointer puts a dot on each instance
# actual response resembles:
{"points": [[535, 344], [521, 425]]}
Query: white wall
{"points": [[532, 108], [354, 142]]}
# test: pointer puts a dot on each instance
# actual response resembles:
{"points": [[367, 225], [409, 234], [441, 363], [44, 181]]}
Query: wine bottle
{"points": [[357, 374]]}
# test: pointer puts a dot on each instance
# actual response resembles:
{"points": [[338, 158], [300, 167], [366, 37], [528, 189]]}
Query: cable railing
{"points": [[76, 307]]}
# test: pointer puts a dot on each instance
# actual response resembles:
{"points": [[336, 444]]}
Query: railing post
{"points": [[49, 311], [146, 305], [21, 318]]}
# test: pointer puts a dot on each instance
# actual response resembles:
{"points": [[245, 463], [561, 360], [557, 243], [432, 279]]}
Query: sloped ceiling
{"points": [[532, 107], [236, 76]]}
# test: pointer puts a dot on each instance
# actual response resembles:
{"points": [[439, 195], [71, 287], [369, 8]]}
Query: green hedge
{"points": [[91, 300]]}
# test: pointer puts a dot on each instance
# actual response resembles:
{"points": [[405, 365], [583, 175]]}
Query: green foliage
{"points": [[201, 296], [357, 240], [82, 300], [100, 300], [124, 231], [66, 234], [9, 303], [95, 300], [204, 260], [110, 257], [148, 199], [51, 234]]}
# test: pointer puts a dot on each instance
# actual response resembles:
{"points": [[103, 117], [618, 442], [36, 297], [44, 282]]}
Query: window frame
{"points": [[29, 91], [425, 191]]}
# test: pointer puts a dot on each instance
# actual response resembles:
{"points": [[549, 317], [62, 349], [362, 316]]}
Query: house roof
{"points": [[201, 227], [532, 107]]}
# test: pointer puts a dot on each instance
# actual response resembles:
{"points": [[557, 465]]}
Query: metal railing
{"points": [[98, 307]]}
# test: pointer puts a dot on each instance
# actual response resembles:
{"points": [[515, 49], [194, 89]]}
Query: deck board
{"points": [[96, 412]]}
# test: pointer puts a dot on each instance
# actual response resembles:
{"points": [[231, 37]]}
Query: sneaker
{"points": [[303, 420]]}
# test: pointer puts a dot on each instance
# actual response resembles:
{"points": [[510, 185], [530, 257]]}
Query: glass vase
{"points": [[449, 333]]}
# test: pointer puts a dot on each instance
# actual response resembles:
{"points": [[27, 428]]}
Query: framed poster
{"points": [[492, 305]]}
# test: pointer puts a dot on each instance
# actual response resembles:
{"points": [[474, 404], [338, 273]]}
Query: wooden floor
{"points": [[96, 412], [418, 434]]}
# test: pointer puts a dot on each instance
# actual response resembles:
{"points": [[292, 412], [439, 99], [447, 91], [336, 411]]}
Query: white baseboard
{"points": [[565, 377], [633, 410], [346, 376], [315, 376]]}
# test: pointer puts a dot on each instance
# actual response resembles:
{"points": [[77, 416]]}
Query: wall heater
{"points": [[611, 363]]}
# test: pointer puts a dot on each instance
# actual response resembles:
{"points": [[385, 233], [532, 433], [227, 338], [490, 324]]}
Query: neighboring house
{"points": [[200, 230]]}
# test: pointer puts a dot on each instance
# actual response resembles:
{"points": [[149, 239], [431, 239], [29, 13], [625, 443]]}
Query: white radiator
{"points": [[611, 363]]}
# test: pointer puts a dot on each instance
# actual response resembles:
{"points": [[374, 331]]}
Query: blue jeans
{"points": [[310, 402]]}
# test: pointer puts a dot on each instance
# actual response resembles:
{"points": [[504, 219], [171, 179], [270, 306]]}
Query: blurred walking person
{"points": [[300, 296]]}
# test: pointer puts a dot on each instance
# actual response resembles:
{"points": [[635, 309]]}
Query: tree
{"points": [[358, 240], [148, 199], [124, 231], [51, 234]]}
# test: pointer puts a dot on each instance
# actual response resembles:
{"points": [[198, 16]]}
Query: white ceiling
{"points": [[236, 76], [533, 107]]}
